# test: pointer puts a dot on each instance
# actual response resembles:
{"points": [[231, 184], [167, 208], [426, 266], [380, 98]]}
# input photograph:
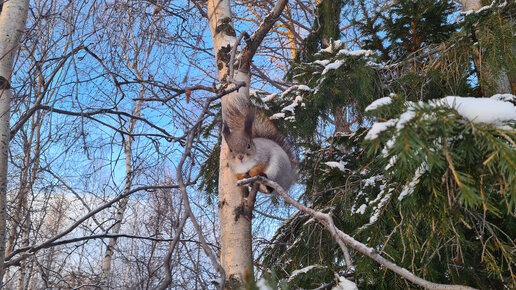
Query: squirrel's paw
{"points": [[240, 176]]}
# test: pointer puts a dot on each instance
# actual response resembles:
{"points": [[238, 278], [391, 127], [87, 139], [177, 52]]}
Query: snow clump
{"points": [[482, 110], [378, 103]]}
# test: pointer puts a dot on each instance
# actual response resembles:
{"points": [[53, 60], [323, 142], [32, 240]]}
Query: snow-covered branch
{"points": [[341, 237]]}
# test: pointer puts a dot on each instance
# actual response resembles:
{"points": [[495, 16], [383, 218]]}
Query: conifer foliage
{"points": [[427, 180]]}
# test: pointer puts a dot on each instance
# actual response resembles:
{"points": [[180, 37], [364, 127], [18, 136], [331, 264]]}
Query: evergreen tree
{"points": [[408, 26], [426, 186], [325, 28]]}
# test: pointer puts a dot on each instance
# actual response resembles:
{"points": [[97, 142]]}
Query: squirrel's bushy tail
{"points": [[262, 128]]}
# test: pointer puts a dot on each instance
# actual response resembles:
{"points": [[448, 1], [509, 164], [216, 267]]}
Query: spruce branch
{"points": [[341, 237]]}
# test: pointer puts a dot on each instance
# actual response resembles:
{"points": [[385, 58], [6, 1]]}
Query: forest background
{"points": [[113, 139]]}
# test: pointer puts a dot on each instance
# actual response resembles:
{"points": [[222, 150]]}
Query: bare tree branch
{"points": [[257, 37], [33, 249]]}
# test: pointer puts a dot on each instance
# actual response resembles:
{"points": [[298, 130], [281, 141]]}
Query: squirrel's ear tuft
{"points": [[225, 130], [249, 119]]}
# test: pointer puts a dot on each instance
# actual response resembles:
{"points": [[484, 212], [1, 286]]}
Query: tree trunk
{"points": [[235, 229], [108, 256], [342, 124], [504, 83], [12, 24]]}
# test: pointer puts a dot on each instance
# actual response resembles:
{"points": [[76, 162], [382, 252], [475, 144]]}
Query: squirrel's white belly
{"points": [[241, 167], [279, 167]]}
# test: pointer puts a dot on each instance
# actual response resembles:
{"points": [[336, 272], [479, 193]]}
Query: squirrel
{"points": [[258, 148]]}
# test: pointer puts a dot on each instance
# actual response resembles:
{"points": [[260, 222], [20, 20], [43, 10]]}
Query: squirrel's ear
{"points": [[225, 130], [248, 125]]}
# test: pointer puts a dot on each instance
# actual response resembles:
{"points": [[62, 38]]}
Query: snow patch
{"points": [[383, 197], [340, 165], [371, 181], [290, 118], [304, 88], [301, 271], [294, 104], [391, 163], [333, 46], [378, 128], [324, 62], [378, 103], [361, 209], [405, 118], [289, 90], [277, 116], [333, 65], [345, 284], [268, 98], [482, 110], [360, 52], [379, 207], [410, 187]]}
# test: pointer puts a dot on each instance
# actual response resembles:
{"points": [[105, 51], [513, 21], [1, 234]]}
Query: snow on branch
{"points": [[483, 8], [342, 238], [378, 103], [494, 110], [482, 110]]}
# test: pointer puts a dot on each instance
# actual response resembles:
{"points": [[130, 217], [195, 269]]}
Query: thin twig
{"points": [[233, 54]]}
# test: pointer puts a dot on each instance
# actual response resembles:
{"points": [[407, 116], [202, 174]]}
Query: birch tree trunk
{"points": [[21, 217], [12, 23], [138, 66], [235, 231], [235, 223], [108, 256], [26, 187]]}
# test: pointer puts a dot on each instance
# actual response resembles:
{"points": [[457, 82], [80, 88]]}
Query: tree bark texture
{"points": [[12, 24], [235, 226], [235, 229]]}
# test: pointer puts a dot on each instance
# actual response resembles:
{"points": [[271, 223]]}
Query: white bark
{"points": [[235, 231], [235, 217], [12, 24]]}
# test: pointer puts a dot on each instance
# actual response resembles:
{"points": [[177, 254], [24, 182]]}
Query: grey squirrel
{"points": [[258, 148]]}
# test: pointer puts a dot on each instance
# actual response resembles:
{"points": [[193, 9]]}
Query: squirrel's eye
{"points": [[230, 150], [248, 146]]}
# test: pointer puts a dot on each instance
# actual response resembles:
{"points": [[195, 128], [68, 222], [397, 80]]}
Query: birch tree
{"points": [[12, 23], [236, 230], [138, 65]]}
